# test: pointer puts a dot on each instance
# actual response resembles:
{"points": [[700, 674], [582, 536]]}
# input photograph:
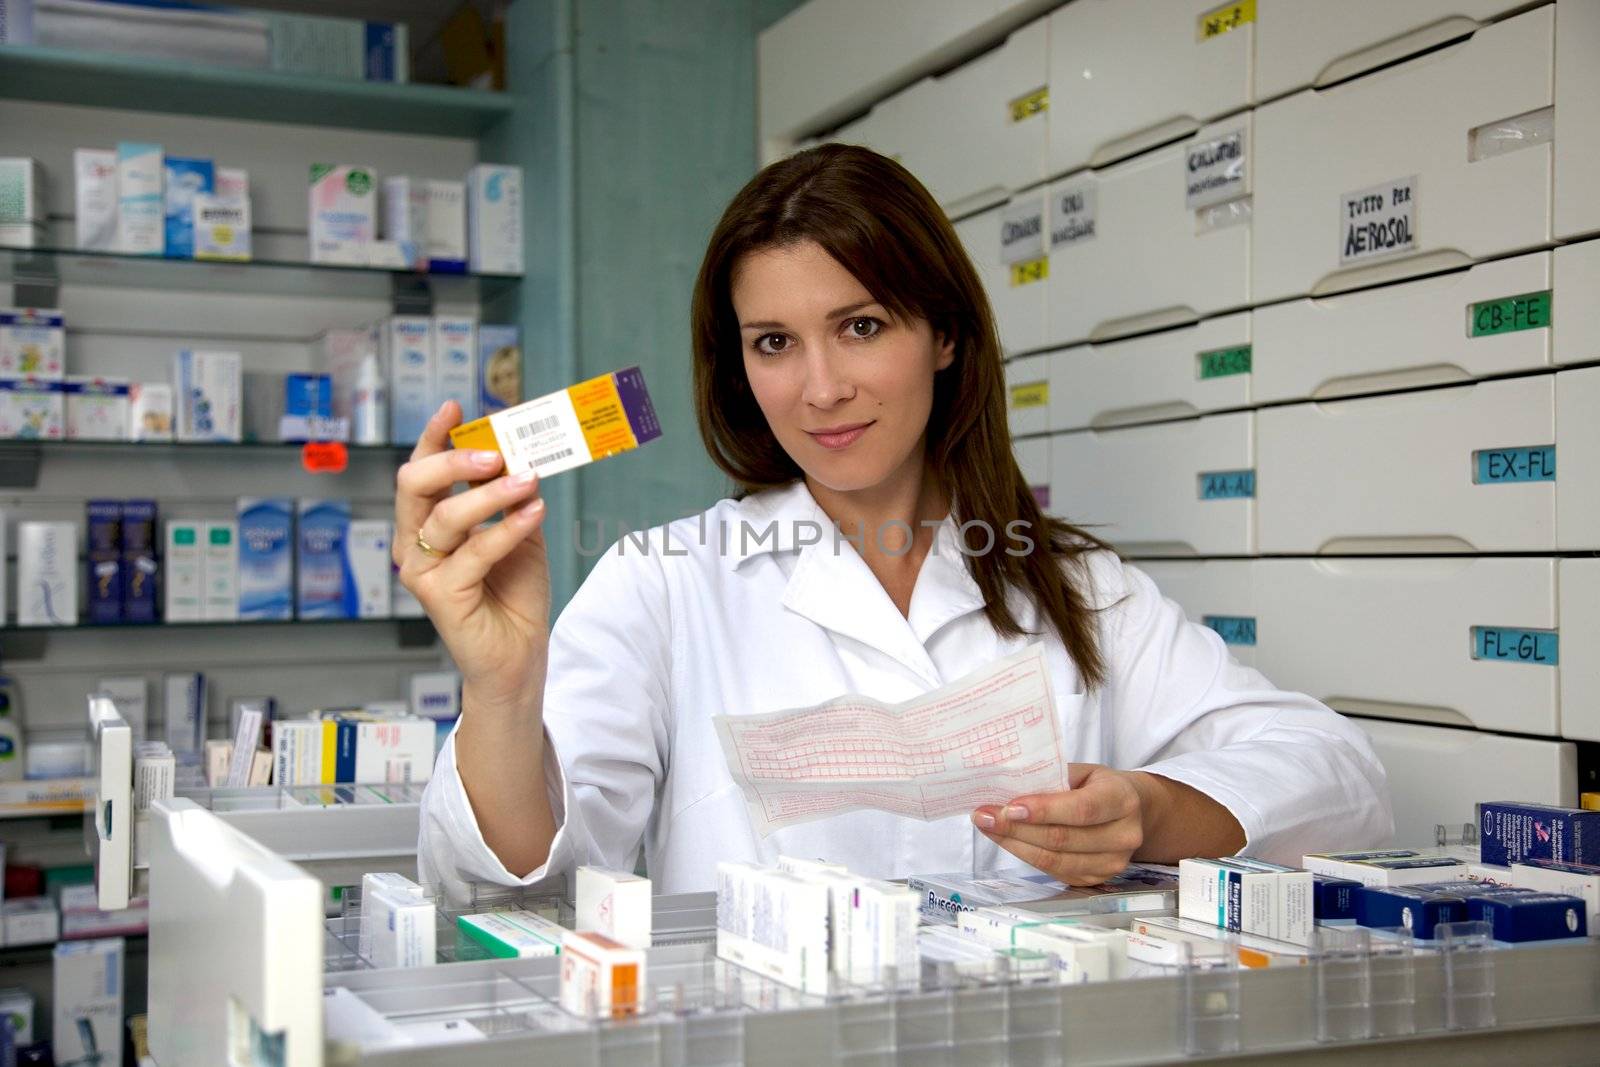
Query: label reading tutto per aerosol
{"points": [[1378, 221], [1215, 171]]}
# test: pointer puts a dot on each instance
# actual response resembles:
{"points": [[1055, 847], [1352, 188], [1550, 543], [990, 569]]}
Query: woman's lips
{"points": [[836, 437]]}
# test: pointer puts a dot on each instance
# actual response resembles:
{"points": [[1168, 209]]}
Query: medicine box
{"points": [[88, 1001], [32, 410], [222, 220], [322, 528], [614, 903], [266, 558], [95, 197], [220, 571], [32, 343], [47, 573], [1418, 912], [96, 408], [494, 219], [1511, 832], [141, 215], [184, 699], [207, 389], [368, 557], [403, 928], [600, 976], [774, 924], [344, 213], [30, 921], [446, 244], [1384, 868], [499, 367], [1169, 489], [405, 218], [1248, 896], [408, 353], [105, 575], [455, 363], [396, 885], [186, 181], [139, 568], [512, 934], [1568, 879], [183, 566], [1519, 917]]}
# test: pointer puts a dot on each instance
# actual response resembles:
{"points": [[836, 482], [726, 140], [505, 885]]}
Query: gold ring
{"points": [[422, 543]]}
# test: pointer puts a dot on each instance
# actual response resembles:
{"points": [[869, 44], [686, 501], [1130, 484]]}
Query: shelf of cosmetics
{"points": [[138, 201], [377, 385]]}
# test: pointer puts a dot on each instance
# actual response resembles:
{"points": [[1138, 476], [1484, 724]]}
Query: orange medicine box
{"points": [[600, 976], [567, 429]]}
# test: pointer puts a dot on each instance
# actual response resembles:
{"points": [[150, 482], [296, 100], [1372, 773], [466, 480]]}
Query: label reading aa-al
{"points": [[1493, 466], [1227, 485], [1030, 104], [1234, 629], [1030, 395], [1022, 231], [1510, 645], [1214, 171], [1529, 311], [1072, 214], [1378, 221], [1223, 362]]}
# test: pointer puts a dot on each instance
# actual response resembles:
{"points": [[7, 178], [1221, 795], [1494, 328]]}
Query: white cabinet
{"points": [[1216, 593], [1028, 393], [1579, 595], [1169, 489], [1004, 244], [1033, 457]]}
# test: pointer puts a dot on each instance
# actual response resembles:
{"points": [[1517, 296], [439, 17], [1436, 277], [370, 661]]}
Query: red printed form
{"points": [[983, 739]]}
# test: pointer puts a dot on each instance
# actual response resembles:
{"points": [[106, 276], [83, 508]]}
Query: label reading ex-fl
{"points": [[1493, 466]]}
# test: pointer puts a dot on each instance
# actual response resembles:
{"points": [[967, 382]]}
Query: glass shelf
{"points": [[97, 79], [420, 626], [265, 277], [292, 448]]}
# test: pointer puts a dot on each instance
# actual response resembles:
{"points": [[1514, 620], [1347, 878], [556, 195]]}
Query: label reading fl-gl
{"points": [[1378, 221], [1541, 647]]}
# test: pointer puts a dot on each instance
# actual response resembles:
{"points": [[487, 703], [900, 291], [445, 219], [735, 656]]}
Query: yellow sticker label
{"points": [[1224, 19], [1030, 395], [1031, 104], [1034, 270], [601, 416]]}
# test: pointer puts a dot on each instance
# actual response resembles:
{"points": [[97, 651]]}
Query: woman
{"points": [[847, 378]]}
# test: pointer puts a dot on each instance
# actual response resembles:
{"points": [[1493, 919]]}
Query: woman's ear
{"points": [[947, 351]]}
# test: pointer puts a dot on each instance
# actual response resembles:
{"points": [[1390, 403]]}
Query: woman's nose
{"points": [[825, 384]]}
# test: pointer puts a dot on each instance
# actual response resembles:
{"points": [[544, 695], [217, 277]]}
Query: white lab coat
{"points": [[653, 645]]}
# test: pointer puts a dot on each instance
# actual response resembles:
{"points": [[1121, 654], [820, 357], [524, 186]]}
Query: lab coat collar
{"points": [[833, 587]]}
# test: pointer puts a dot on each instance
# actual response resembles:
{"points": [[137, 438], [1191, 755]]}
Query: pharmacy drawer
{"points": [[1033, 456], [1577, 272], [1493, 319], [1128, 74], [1217, 593], [1006, 245], [1579, 594], [1028, 393], [1131, 251], [1437, 774], [882, 129], [1168, 489], [1466, 469], [976, 134], [1168, 375], [1432, 163], [1300, 44]]}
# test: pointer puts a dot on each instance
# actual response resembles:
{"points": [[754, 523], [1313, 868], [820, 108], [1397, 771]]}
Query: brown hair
{"points": [[880, 224]]}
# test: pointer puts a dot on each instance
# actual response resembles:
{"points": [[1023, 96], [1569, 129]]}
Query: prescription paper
{"points": [[983, 739]]}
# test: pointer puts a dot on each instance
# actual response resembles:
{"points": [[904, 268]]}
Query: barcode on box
{"points": [[552, 457], [537, 427]]}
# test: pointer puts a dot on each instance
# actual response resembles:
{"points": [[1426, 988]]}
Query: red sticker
{"points": [[325, 457]]}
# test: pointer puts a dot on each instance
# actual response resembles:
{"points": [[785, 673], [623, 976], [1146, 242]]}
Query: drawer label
{"points": [[1214, 172], [1034, 270], [1542, 647], [1225, 19], [1378, 221], [1030, 104], [1235, 629], [1227, 485], [1492, 466], [1030, 395], [1223, 362], [1509, 314], [1022, 231], [1041, 496], [1072, 214]]}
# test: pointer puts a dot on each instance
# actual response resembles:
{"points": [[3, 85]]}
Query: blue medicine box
{"points": [[1511, 832], [1530, 916], [1334, 899], [1403, 906]]}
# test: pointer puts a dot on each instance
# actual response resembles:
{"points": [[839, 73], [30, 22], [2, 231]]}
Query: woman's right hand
{"points": [[487, 589]]}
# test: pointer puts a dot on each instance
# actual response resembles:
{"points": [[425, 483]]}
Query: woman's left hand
{"points": [[1082, 836]]}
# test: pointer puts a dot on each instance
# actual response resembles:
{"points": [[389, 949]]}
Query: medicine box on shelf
{"points": [[1443, 159], [1465, 469], [1028, 393], [1125, 76], [1007, 246], [1191, 370], [976, 134], [1157, 240], [1437, 774], [1219, 594], [1169, 489]]}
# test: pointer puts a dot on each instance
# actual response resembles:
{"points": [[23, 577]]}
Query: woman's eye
{"points": [[864, 327], [771, 343]]}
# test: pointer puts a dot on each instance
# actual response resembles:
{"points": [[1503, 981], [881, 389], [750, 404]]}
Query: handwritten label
{"points": [[1223, 362], [1022, 231], [1227, 485], [1529, 311], [1214, 171], [1234, 629], [1493, 466], [325, 457], [1378, 221], [1030, 104], [1542, 647], [1030, 395], [1035, 270], [1226, 19], [1072, 212]]}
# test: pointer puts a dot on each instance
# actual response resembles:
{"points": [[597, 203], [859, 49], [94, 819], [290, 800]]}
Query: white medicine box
{"points": [[1158, 240], [976, 134], [1440, 160], [1007, 247], [1466, 469], [1033, 457], [1169, 489], [1191, 370], [1438, 774], [1028, 393], [1219, 594], [1128, 74]]}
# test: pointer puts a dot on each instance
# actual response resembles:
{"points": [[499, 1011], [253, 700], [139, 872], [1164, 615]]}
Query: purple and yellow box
{"points": [[576, 426]]}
